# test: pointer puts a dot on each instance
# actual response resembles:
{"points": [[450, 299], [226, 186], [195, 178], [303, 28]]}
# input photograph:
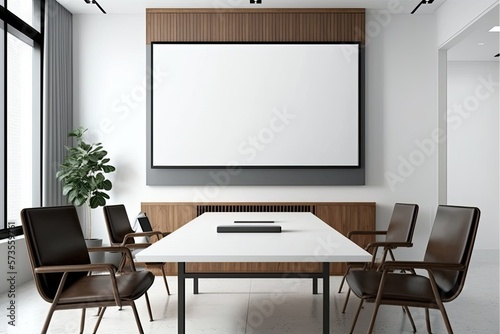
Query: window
{"points": [[20, 101], [20, 164], [22, 9]]}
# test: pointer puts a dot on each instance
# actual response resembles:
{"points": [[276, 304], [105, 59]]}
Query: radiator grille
{"points": [[200, 209]]}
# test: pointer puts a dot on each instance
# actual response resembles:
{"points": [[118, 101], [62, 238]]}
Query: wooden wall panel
{"points": [[168, 217], [254, 25], [337, 217], [344, 217]]}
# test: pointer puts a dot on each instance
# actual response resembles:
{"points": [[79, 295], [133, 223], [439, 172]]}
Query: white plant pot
{"points": [[97, 257], [113, 258]]}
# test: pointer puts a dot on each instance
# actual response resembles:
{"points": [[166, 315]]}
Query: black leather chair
{"points": [[399, 233], [63, 272], [121, 234], [446, 262]]}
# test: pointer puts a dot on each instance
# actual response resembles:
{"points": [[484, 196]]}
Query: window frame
{"points": [[11, 23]]}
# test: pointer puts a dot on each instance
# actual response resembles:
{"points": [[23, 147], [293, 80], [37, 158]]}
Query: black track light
{"points": [[423, 2], [94, 2]]}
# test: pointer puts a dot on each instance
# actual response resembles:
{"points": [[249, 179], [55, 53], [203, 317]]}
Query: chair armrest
{"points": [[76, 268], [373, 248], [359, 232], [391, 265], [122, 249], [126, 253], [134, 246], [141, 234], [144, 234], [386, 244], [65, 269]]}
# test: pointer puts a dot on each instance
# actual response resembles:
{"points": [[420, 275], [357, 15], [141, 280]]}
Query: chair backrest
{"points": [[117, 223], [145, 223], [451, 241], [402, 223], [54, 237]]}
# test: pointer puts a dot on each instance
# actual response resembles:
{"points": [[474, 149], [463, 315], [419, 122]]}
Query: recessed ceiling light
{"points": [[495, 29], [481, 44]]}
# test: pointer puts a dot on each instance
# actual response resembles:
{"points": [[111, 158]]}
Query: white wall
{"points": [[21, 270], [473, 143], [401, 115]]}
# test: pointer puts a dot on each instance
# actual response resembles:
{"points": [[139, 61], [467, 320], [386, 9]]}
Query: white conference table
{"points": [[304, 238]]}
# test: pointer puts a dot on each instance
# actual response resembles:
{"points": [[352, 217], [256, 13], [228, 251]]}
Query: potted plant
{"points": [[83, 176]]}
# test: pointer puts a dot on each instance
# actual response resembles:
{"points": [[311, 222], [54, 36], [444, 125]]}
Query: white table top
{"points": [[304, 238]]}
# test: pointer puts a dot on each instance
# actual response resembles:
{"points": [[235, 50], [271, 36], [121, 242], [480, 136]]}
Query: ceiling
{"points": [[470, 49], [467, 50], [137, 6]]}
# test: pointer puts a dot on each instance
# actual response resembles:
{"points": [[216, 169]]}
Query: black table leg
{"points": [[181, 302], [181, 279], [326, 297], [195, 286]]}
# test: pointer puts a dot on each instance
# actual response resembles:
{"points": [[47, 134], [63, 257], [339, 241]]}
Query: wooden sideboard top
{"points": [[259, 203]]}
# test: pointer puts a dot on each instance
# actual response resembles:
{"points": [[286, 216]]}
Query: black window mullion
{"points": [[4, 97], [14, 21], [41, 45]]}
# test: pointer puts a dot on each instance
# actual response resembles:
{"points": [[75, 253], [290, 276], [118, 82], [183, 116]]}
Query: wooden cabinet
{"points": [[342, 216]]}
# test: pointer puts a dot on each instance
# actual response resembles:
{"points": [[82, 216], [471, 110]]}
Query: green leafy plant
{"points": [[82, 172]]}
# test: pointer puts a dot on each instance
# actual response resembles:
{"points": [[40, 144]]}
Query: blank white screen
{"points": [[255, 105]]}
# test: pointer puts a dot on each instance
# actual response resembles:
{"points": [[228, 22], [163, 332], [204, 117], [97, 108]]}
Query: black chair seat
{"points": [[397, 286], [98, 288]]}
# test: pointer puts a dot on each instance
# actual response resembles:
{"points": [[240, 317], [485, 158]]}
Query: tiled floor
{"points": [[267, 307]]}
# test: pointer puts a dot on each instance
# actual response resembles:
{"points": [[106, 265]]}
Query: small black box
{"points": [[248, 229]]}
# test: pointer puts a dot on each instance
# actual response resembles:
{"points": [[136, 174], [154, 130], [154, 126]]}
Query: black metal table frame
{"points": [[182, 275]]}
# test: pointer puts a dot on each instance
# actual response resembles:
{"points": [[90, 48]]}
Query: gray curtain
{"points": [[58, 97]]}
